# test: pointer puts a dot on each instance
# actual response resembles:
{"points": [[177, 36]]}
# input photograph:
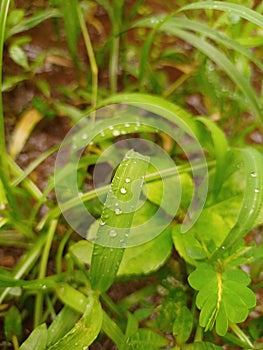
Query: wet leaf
{"points": [[116, 221]]}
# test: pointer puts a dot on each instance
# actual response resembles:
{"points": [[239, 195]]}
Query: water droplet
{"points": [[80, 194], [253, 174], [102, 133], [116, 132], [111, 127], [223, 247], [84, 136], [256, 190], [126, 235], [123, 190], [127, 180], [113, 233], [44, 286], [138, 124], [91, 143], [102, 223], [116, 204], [118, 211], [127, 125]]}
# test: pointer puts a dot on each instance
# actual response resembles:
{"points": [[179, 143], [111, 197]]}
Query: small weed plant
{"points": [[147, 233]]}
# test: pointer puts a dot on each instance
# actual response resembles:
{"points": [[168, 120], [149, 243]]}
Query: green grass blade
{"points": [[86, 329], [234, 9], [3, 155], [69, 10], [33, 21], [217, 36], [252, 201], [116, 221], [220, 152], [220, 59]]}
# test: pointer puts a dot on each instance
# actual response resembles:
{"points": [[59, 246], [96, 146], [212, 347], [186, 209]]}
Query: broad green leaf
{"points": [[144, 339], [37, 339], [116, 221], [13, 323], [63, 323], [86, 329], [183, 324], [181, 189], [147, 257], [209, 230]]}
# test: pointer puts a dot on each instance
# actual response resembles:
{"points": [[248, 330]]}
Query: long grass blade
{"points": [[252, 200], [116, 220]]}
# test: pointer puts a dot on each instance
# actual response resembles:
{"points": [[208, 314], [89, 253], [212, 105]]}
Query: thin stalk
{"points": [[116, 21], [42, 272], [113, 66], [3, 158], [93, 63], [241, 335]]}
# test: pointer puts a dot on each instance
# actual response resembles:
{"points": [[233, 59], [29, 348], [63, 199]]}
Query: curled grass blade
{"points": [[116, 221], [252, 200], [239, 10]]}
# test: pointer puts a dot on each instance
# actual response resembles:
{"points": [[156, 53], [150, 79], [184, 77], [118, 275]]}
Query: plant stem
{"points": [[241, 335], [92, 59], [42, 272]]}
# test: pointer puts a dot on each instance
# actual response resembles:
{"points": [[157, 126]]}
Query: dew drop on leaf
{"points": [[253, 174], [256, 190], [116, 132], [127, 180], [123, 190], [118, 211], [102, 223], [113, 233]]}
